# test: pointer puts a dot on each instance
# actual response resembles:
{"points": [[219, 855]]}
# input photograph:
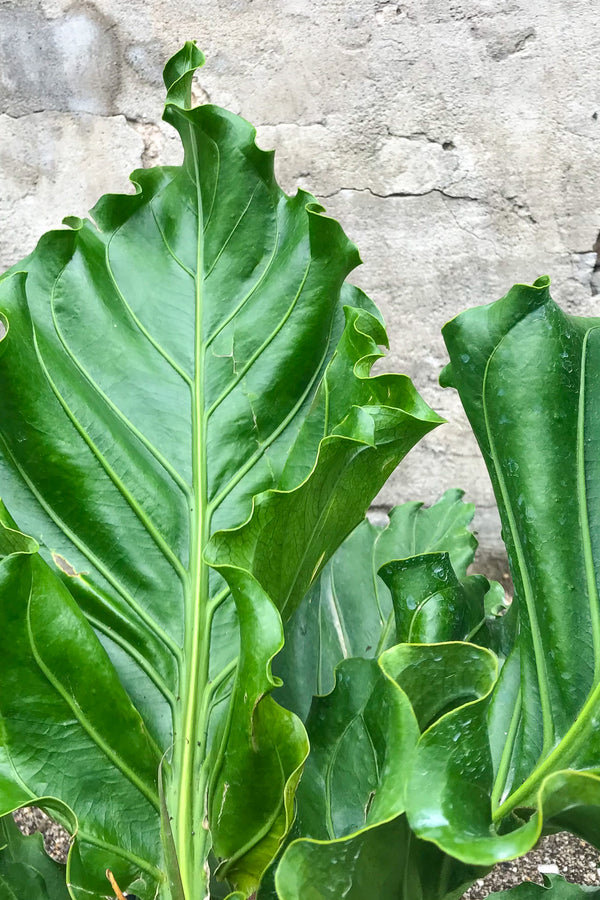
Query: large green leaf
{"points": [[348, 612], [26, 870], [528, 375], [159, 367], [351, 837]]}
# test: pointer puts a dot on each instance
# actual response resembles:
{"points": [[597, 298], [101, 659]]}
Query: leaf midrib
{"points": [[197, 637], [538, 648], [588, 554], [577, 732]]}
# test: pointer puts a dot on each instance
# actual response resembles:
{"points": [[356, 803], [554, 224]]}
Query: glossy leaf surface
{"points": [[159, 367], [430, 603], [353, 840], [528, 377], [348, 612]]}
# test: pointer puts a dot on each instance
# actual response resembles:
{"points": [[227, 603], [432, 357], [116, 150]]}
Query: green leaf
{"points": [[490, 777], [414, 529], [430, 603], [361, 736], [348, 612], [161, 366], [387, 862], [352, 839], [554, 888], [26, 870]]}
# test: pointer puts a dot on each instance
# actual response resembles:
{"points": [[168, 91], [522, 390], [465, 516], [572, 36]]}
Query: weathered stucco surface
{"points": [[456, 140]]}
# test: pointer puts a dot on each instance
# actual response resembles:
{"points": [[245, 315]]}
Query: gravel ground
{"points": [[56, 839], [560, 854]]}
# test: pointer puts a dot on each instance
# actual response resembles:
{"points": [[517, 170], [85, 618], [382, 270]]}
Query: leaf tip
{"points": [[178, 74], [73, 222]]}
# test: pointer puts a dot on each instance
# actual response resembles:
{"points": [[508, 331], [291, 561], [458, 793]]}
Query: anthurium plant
{"points": [[215, 673]]}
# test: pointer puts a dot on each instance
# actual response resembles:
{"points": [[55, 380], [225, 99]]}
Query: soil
{"points": [[56, 839], [561, 854]]}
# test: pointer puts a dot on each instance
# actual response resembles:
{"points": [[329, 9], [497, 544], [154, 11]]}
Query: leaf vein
{"points": [[231, 234], [161, 634]]}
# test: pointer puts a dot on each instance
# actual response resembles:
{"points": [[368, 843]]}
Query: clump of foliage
{"points": [[215, 672]]}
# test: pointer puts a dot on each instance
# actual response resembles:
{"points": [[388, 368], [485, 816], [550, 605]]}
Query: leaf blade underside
{"points": [[161, 366], [527, 376]]}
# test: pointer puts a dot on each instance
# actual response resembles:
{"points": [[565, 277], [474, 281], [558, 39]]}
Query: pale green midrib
{"points": [[87, 726], [345, 640], [577, 732], [131, 501], [262, 832], [10, 895], [586, 539], [507, 752], [215, 190], [320, 629], [372, 746], [571, 742], [414, 532], [152, 624], [538, 648], [154, 451], [327, 506], [387, 627], [196, 598], [420, 607], [326, 411], [472, 633], [441, 531], [139, 861], [376, 580]]}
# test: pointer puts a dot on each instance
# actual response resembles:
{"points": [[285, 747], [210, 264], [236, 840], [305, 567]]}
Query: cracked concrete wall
{"points": [[454, 139]]}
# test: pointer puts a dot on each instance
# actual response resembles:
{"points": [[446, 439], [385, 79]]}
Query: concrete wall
{"points": [[456, 140]]}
